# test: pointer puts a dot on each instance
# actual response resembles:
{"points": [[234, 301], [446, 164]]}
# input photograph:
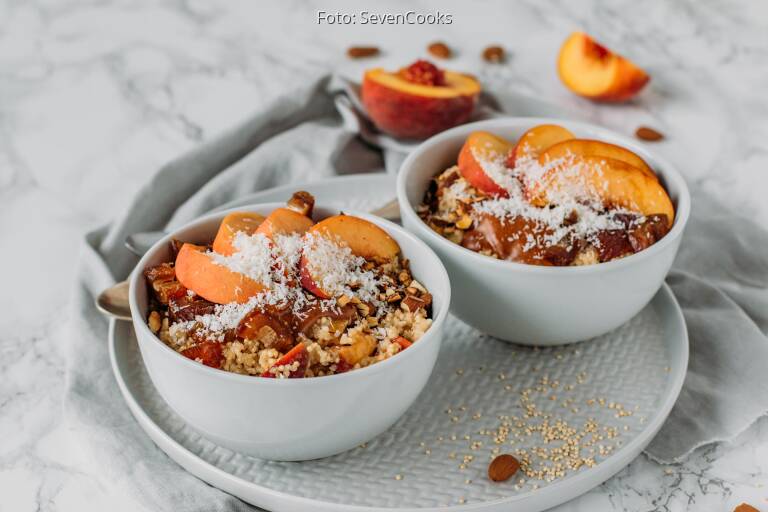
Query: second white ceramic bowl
{"points": [[536, 305], [291, 419]]}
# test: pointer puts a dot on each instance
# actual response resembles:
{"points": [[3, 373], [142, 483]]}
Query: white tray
{"points": [[640, 366]]}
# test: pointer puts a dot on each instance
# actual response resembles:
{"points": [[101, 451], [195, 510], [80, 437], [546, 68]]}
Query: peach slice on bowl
{"points": [[197, 271], [591, 70], [364, 239], [231, 225], [418, 101], [614, 182], [536, 140], [482, 162], [587, 147], [284, 221]]}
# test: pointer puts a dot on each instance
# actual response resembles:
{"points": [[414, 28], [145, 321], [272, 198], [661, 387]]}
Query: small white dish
{"points": [[291, 419], [535, 305]]}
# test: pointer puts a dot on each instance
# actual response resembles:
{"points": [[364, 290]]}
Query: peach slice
{"points": [[284, 221], [364, 238], [197, 271], [591, 70], [587, 147], [536, 140], [482, 162], [234, 223], [418, 101], [615, 182]]}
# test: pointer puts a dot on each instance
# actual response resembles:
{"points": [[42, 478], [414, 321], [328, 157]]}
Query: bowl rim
{"points": [[432, 335], [663, 167]]}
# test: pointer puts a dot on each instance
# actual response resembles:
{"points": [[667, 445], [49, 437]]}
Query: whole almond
{"points": [[503, 467], [440, 50], [359, 52], [649, 134], [493, 54]]}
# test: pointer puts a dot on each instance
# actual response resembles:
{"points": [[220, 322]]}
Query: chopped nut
{"points": [[404, 277], [418, 286], [493, 54], [154, 322], [343, 300], [302, 202], [359, 52], [648, 134], [440, 50], [464, 222], [503, 467], [394, 298]]}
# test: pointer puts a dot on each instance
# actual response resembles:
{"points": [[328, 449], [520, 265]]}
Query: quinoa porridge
{"points": [[283, 297], [550, 199]]}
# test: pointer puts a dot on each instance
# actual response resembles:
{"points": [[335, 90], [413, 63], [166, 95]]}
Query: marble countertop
{"points": [[95, 96]]}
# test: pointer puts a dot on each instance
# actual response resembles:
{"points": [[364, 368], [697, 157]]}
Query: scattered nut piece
{"points": [[503, 467], [360, 52], [302, 202], [494, 54], [154, 322], [649, 134], [440, 50], [464, 222]]}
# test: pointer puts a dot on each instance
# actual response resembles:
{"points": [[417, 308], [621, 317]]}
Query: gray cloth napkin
{"points": [[720, 279]]}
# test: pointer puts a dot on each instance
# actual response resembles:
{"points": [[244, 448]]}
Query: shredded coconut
{"points": [[575, 209]]}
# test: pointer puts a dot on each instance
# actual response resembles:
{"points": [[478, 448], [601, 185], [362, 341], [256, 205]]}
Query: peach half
{"points": [[591, 70], [482, 162], [616, 183], [418, 101]]}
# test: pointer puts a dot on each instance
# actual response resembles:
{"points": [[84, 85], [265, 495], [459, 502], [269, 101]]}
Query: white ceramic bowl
{"points": [[291, 419], [536, 305]]}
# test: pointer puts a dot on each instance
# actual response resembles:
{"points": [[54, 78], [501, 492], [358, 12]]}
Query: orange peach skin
{"points": [[284, 221], [487, 145], [198, 272], [233, 223], [415, 111], [587, 147], [617, 183], [536, 140], [595, 72]]}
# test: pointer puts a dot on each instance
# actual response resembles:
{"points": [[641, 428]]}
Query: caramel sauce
{"points": [[508, 239]]}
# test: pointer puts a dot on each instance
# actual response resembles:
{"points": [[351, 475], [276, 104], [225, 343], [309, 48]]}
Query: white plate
{"points": [[640, 366]]}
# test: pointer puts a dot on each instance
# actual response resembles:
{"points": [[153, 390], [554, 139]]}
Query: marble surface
{"points": [[95, 95]]}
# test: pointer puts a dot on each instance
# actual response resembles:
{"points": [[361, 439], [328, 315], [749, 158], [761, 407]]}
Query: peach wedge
{"points": [[614, 182], [197, 271], [234, 223], [591, 70], [536, 140], [284, 221], [587, 147], [363, 238], [482, 158]]}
